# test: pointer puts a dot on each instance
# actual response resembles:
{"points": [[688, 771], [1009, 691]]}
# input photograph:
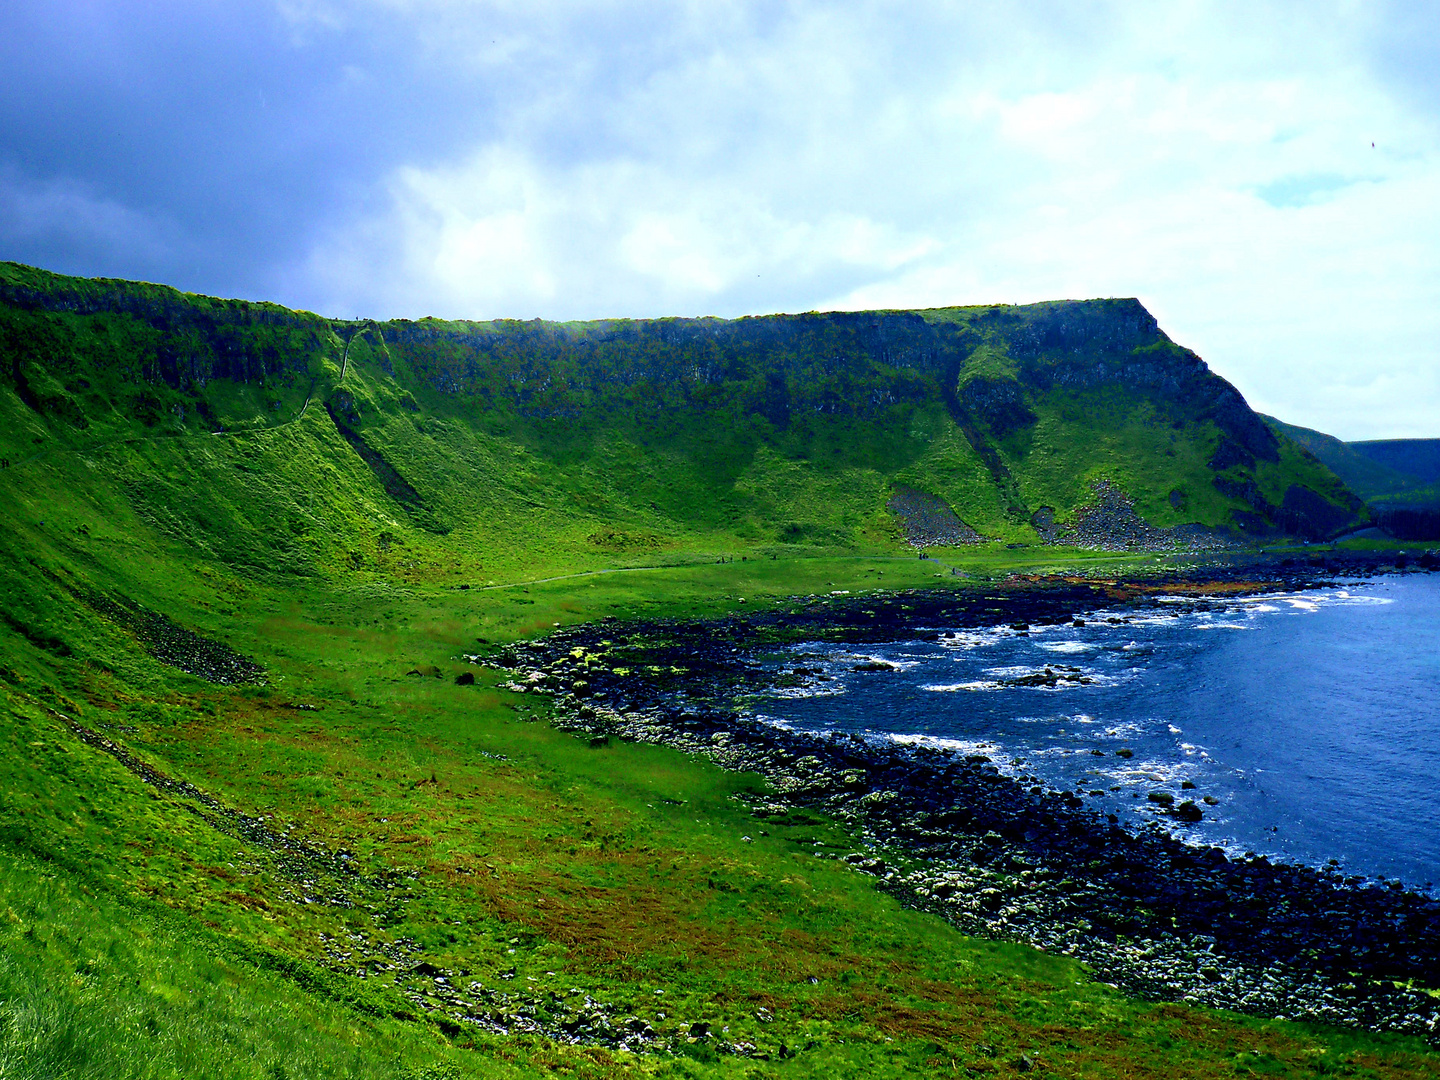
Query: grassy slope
{"points": [[1106, 434], [129, 921], [616, 436], [1365, 476], [598, 868], [1417, 457]]}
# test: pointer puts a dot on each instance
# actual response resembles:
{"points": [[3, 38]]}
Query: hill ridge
{"points": [[995, 410]]}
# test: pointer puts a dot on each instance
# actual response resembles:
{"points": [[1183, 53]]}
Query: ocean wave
{"points": [[1068, 646]]}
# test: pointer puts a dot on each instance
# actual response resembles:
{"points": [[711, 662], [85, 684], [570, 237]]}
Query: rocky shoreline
{"points": [[953, 835]]}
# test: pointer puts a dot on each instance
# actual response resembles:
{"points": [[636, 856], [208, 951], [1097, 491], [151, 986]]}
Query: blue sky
{"points": [[576, 160]]}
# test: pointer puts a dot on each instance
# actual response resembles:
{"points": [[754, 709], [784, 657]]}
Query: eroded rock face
{"points": [[1085, 344], [1303, 512], [1110, 522], [200, 339], [929, 520], [1307, 514], [1000, 403]]}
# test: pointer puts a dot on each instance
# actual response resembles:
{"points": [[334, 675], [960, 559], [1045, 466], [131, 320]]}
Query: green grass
{"points": [[1111, 435], [619, 871], [91, 986], [144, 936]]}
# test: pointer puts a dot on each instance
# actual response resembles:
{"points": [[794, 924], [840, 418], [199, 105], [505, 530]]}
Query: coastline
{"points": [[950, 834]]}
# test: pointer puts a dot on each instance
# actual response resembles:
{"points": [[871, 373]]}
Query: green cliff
{"points": [[1074, 422]]}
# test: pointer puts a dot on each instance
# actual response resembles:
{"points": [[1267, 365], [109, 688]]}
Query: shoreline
{"points": [[949, 834]]}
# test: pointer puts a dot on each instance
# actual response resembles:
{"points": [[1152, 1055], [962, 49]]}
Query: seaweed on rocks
{"points": [[952, 835]]}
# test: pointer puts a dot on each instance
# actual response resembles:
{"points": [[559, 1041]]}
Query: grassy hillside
{"points": [[1405, 504], [629, 437], [1415, 457], [252, 825], [1362, 474]]}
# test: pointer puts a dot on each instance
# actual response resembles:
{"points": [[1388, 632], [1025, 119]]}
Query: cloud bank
{"points": [[1263, 177]]}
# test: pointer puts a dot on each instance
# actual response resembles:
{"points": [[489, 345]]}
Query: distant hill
{"points": [[1415, 457], [1396, 477], [1065, 422], [1365, 474]]}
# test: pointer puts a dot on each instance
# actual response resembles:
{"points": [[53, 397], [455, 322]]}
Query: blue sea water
{"points": [[1311, 719]]}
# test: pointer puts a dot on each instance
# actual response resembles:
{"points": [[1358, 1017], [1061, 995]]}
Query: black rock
{"points": [[1188, 811]]}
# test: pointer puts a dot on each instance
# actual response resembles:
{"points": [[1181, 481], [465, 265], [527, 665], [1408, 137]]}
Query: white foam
{"points": [[968, 641], [970, 747], [1068, 647], [801, 692]]}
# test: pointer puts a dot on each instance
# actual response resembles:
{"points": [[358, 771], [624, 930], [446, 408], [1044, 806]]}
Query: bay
{"points": [[1310, 720]]}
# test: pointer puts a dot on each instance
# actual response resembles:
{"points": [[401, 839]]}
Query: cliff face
{"points": [[187, 340], [1112, 351], [1085, 345], [1008, 415]]}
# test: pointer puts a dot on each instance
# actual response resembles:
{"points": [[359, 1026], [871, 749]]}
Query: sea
{"points": [[1304, 725]]}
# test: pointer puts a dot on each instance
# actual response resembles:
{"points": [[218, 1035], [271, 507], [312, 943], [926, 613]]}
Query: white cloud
{"points": [[501, 235], [743, 158]]}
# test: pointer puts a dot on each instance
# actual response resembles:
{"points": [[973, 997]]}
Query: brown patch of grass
{"points": [[245, 899], [898, 1020]]}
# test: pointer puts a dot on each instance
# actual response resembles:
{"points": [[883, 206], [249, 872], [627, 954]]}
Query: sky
{"points": [[1265, 177]]}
